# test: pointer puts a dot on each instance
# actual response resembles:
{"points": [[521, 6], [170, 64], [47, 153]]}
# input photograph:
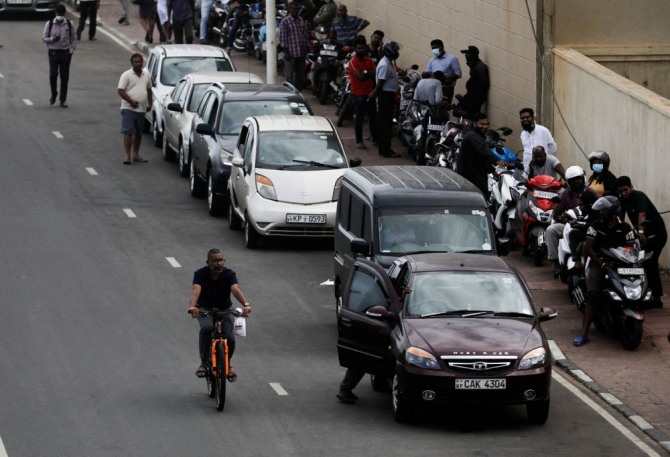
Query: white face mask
{"points": [[60, 18], [437, 52]]}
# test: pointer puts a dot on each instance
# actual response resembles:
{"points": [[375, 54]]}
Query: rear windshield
{"points": [[175, 68], [233, 113], [406, 230]]}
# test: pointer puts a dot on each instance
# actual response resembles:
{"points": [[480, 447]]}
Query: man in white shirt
{"points": [[135, 91], [534, 135]]}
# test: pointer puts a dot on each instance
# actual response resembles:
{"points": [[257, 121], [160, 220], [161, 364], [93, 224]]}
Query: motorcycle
{"points": [[506, 189], [343, 98], [325, 56], [448, 146], [427, 133], [533, 215], [217, 23], [408, 121], [574, 219]]}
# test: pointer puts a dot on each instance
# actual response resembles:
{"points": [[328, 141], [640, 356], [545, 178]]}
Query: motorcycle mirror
{"points": [[506, 131], [414, 67]]}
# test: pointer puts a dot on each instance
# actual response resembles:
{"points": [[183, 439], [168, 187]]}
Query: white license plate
{"points": [[19, 2], [630, 271], [306, 218], [543, 194], [435, 127], [329, 53], [481, 384]]}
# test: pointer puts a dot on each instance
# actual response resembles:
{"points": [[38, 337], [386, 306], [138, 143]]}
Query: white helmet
{"points": [[574, 171]]}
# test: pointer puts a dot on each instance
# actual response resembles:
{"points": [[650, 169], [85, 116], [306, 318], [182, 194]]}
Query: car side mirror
{"points": [[355, 162], [238, 162], [502, 246], [378, 312], [547, 314], [204, 129], [360, 246], [176, 107]]}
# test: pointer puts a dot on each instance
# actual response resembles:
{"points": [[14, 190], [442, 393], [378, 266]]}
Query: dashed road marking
{"points": [[328, 282], [91, 171], [27, 102], [172, 261], [129, 212], [278, 388], [58, 135]]}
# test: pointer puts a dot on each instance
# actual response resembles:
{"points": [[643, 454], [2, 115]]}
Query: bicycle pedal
{"points": [[199, 375]]}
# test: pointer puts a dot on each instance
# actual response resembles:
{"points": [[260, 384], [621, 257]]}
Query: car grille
{"points": [[479, 364], [301, 231]]}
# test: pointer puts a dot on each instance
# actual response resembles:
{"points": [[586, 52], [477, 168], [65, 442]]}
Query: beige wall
{"points": [[635, 137]]}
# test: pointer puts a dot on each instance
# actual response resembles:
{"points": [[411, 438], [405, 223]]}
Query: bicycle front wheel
{"points": [[220, 381]]}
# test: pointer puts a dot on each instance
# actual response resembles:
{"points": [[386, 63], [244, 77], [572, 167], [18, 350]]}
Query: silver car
{"points": [[180, 105], [32, 6]]}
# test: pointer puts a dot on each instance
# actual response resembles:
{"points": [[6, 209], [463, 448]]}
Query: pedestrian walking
{"points": [[135, 91], [123, 20], [61, 40], [182, 20], [148, 18], [88, 9], [293, 41]]}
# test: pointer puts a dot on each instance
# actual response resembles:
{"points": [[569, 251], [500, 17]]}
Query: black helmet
{"points": [[610, 203], [391, 49], [600, 155]]}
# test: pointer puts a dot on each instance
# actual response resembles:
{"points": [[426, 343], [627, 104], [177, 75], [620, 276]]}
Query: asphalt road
{"points": [[97, 354]]}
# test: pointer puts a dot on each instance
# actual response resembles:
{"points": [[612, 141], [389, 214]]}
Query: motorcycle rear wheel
{"points": [[323, 92], [343, 109], [631, 334]]}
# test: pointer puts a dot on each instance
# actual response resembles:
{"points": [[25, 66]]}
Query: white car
{"points": [[286, 177], [168, 63], [180, 105]]}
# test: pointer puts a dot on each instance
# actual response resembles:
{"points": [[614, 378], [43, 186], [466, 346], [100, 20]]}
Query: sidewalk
{"points": [[637, 384]]}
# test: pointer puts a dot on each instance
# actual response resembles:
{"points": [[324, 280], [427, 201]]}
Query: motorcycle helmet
{"points": [[609, 202], [575, 171], [600, 155], [391, 50], [321, 33]]}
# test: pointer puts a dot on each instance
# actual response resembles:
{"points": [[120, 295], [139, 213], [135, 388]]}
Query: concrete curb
{"points": [[573, 370]]}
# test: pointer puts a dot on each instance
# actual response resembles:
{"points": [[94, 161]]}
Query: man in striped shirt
{"points": [[293, 41], [346, 27]]}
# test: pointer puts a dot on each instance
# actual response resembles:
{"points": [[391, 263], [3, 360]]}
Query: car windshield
{"points": [[467, 294], [175, 68], [299, 150], [434, 229], [233, 113], [196, 97]]}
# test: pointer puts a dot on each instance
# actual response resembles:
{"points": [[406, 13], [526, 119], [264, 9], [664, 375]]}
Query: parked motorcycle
{"points": [[407, 121], [343, 98], [506, 189], [448, 146], [325, 56], [574, 219], [243, 36], [533, 215], [217, 23]]}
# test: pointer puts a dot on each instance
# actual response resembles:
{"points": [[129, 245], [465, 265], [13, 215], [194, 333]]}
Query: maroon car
{"points": [[444, 329]]}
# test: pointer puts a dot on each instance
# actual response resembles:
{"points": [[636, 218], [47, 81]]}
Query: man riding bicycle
{"points": [[212, 286]]}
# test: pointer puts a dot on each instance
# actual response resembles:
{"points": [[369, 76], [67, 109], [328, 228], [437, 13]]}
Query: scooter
{"points": [[449, 144], [574, 219], [427, 133], [506, 190], [533, 215], [325, 57], [217, 24]]}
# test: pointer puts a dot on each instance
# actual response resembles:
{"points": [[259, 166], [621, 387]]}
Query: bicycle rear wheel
{"points": [[220, 380]]}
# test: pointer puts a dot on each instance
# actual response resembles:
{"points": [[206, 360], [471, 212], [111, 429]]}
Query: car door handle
{"points": [[345, 321]]}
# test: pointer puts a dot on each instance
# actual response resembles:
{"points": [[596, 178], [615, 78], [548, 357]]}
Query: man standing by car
{"points": [[135, 91], [293, 41], [534, 135], [385, 90], [59, 35], [447, 64]]}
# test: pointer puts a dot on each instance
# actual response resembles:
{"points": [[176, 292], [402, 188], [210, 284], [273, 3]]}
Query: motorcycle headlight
{"points": [[265, 188], [336, 190], [633, 293], [420, 358], [614, 296], [536, 358], [318, 60]]}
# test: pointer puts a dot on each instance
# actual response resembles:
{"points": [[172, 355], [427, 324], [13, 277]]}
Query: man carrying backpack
{"points": [[60, 37]]}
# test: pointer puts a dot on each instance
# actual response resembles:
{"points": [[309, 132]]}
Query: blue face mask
{"points": [[437, 52], [597, 167]]}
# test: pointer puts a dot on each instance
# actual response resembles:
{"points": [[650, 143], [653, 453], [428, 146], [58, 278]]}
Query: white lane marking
{"points": [[129, 212], [556, 351], [3, 452], [278, 388], [27, 102], [172, 261], [92, 171], [116, 39], [1, 75], [58, 135], [328, 282], [605, 415]]}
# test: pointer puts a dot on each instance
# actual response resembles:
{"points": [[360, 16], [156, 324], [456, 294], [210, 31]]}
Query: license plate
{"points": [[306, 218], [404, 103], [19, 2], [630, 271], [543, 194], [435, 127], [329, 53], [481, 384]]}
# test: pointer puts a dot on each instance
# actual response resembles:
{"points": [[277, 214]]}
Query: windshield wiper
{"points": [[515, 314], [459, 312], [473, 251], [317, 164]]}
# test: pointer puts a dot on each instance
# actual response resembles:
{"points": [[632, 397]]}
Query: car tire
{"points": [[215, 203], [158, 138], [168, 154], [234, 221], [251, 236], [402, 408], [538, 412], [380, 383], [183, 161], [197, 186]]}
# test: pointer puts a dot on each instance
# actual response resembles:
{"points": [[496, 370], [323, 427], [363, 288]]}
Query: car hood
{"points": [[227, 142], [447, 336], [303, 187]]}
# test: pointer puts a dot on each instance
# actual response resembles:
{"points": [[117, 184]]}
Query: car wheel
{"points": [[168, 154], [251, 236], [183, 161], [234, 221], [197, 187], [379, 383], [215, 203], [158, 138], [402, 408], [538, 412]]}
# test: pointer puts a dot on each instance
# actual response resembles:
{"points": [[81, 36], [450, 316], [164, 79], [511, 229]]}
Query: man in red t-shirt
{"points": [[361, 71]]}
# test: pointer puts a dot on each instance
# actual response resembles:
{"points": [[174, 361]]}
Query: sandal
{"points": [[201, 372], [580, 341], [232, 376]]}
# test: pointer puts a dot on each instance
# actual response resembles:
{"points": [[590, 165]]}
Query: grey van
{"points": [[385, 212]]}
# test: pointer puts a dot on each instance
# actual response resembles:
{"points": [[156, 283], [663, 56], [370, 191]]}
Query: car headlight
{"points": [[265, 188], [336, 190], [421, 358], [633, 293], [534, 359]]}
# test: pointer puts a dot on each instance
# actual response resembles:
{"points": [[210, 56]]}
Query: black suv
{"points": [[217, 124]]}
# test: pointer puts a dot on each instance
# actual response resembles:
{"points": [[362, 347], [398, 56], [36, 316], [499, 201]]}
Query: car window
{"points": [[249, 145], [206, 106], [434, 229], [212, 112], [183, 93], [175, 68], [153, 67], [197, 94], [446, 291], [233, 113], [177, 91], [297, 149], [364, 293]]}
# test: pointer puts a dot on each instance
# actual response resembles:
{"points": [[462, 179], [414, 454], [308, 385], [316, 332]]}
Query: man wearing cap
{"points": [[447, 64], [477, 86]]}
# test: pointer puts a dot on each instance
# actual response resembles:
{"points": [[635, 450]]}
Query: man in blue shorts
{"points": [[136, 100]]}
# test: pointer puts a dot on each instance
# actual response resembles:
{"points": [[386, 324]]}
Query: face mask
{"points": [[597, 167], [60, 18], [437, 52]]}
